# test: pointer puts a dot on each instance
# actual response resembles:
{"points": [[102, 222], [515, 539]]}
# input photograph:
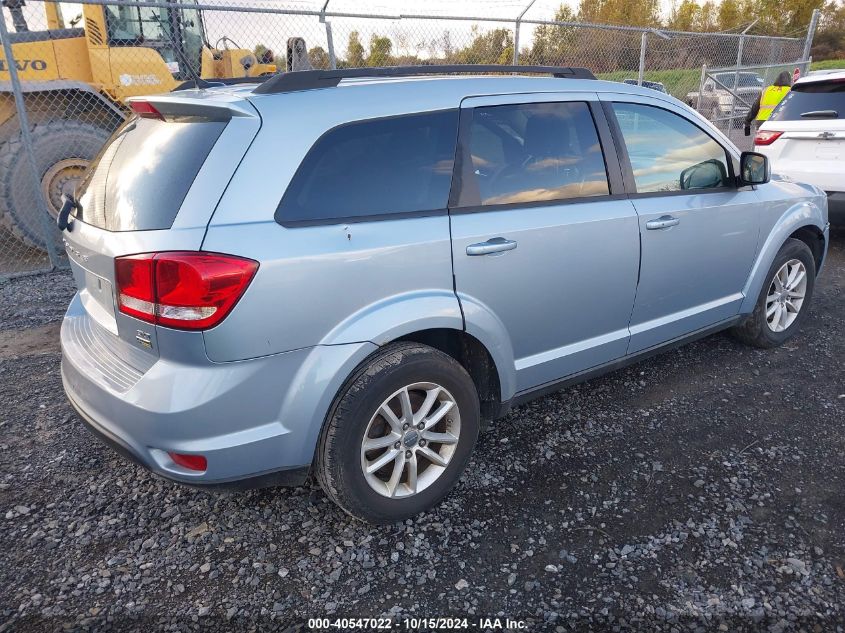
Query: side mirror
{"points": [[708, 174], [754, 169]]}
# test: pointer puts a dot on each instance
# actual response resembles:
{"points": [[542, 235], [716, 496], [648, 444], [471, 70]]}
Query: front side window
{"points": [[668, 152], [383, 166], [532, 152]]}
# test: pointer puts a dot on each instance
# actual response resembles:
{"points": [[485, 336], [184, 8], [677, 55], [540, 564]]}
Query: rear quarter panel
{"points": [[332, 283]]}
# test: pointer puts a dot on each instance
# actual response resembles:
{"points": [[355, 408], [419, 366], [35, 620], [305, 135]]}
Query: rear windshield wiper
{"points": [[820, 114]]}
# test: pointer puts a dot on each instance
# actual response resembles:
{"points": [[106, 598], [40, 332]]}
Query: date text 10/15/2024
{"points": [[416, 624]]}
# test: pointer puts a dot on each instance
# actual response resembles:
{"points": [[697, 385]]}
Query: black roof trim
{"points": [[311, 79], [191, 84]]}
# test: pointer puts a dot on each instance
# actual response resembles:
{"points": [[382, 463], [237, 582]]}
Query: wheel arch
{"points": [[803, 221], [474, 357]]}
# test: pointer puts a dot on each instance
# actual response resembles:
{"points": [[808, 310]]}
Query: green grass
{"points": [[678, 82], [828, 64]]}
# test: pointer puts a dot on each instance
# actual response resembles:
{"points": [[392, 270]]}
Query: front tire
{"points": [[784, 299], [399, 434]]}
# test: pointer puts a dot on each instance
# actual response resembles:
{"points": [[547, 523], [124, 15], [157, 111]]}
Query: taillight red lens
{"points": [[191, 462], [134, 278], [766, 137], [182, 290], [145, 110]]}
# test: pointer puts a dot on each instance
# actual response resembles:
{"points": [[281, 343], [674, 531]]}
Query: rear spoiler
{"points": [[178, 108]]}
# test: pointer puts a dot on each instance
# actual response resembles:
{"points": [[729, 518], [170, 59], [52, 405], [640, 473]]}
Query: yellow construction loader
{"points": [[75, 81]]}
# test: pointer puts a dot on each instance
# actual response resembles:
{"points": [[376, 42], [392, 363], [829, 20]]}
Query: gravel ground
{"points": [[700, 490]]}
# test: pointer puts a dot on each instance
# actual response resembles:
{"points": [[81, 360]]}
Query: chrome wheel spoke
{"points": [[382, 461], [396, 475], [439, 438], [771, 309], [375, 443], [441, 411], [431, 456], [427, 405], [796, 276], [405, 402], [387, 413], [412, 475]]}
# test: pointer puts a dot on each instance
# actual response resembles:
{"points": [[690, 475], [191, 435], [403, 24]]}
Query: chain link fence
{"points": [[74, 65]]}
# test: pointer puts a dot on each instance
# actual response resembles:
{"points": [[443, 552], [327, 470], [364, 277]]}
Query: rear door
{"points": [[542, 236], [152, 188], [699, 231]]}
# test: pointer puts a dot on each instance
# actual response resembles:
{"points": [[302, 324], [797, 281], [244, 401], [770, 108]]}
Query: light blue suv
{"points": [[340, 273]]}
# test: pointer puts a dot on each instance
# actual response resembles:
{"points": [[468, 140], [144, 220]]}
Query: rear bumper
{"points": [[836, 207], [255, 421]]}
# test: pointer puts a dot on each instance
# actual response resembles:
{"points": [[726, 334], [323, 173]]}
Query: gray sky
{"points": [[409, 36]]}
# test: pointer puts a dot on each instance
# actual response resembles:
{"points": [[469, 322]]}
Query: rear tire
{"points": [[389, 494], [63, 150], [784, 299]]}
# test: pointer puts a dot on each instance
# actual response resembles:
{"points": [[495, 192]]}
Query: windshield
{"points": [[176, 34], [817, 100], [137, 24], [746, 80]]}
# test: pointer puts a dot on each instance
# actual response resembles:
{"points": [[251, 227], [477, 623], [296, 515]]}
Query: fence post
{"points": [[516, 32], [329, 38], [643, 41], [739, 51], [701, 86], [811, 32], [26, 138]]}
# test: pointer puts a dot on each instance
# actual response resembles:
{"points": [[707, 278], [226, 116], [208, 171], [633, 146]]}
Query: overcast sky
{"points": [[409, 36]]}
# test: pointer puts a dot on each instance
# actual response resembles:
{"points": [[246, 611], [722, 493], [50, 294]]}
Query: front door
{"points": [[542, 237], [699, 231]]}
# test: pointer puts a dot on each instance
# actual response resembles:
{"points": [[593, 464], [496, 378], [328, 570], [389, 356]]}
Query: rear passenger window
{"points": [[370, 168], [532, 153], [668, 152]]}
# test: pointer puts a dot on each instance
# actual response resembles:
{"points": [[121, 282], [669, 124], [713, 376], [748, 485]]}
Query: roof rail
{"points": [[310, 79]]}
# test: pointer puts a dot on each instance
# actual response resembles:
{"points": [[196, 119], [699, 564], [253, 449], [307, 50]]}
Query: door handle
{"points": [[493, 245], [663, 222]]}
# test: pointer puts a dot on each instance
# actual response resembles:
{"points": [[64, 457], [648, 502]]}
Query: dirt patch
{"points": [[29, 342]]}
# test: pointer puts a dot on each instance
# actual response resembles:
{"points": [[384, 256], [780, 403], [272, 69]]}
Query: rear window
{"points": [[743, 80], [817, 100], [373, 168], [143, 173]]}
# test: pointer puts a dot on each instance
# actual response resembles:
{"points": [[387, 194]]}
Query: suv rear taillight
{"points": [[183, 290], [766, 137]]}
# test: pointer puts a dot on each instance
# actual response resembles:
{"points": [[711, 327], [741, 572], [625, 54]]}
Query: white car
{"points": [[805, 137]]}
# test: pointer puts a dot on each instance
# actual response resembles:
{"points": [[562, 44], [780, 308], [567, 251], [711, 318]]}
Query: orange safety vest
{"points": [[769, 99]]}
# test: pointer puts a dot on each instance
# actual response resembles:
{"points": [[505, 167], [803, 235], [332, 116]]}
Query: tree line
{"points": [[608, 50]]}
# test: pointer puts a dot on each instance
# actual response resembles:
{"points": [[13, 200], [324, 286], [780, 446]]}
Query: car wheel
{"points": [[784, 300], [399, 434]]}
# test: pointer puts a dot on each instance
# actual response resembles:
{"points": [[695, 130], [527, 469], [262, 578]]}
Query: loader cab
{"points": [[176, 33]]}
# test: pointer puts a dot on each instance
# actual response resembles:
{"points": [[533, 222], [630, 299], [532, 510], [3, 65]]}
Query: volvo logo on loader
{"points": [[24, 64]]}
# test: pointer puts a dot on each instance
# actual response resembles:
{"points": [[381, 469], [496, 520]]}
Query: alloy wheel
{"points": [[786, 295], [410, 440]]}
